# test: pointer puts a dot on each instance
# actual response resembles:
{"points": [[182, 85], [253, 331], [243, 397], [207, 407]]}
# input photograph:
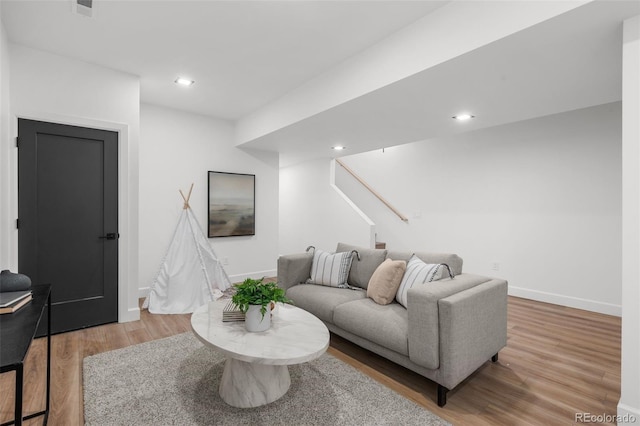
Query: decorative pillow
{"points": [[330, 269], [385, 281], [417, 272], [452, 260]]}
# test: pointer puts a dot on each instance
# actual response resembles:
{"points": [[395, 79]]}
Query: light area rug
{"points": [[174, 381]]}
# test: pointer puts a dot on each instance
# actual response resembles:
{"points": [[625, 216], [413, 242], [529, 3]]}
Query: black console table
{"points": [[16, 333]]}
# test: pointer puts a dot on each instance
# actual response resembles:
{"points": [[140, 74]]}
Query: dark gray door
{"points": [[68, 219]]}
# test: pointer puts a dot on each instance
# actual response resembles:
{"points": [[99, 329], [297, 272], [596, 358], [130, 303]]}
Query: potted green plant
{"points": [[253, 298]]}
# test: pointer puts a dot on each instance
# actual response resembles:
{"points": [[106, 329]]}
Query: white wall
{"points": [[629, 404], [542, 198], [176, 150], [49, 87], [5, 152], [313, 213]]}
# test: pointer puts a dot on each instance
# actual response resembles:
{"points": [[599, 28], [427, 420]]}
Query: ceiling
{"points": [[569, 62], [245, 54], [242, 54]]}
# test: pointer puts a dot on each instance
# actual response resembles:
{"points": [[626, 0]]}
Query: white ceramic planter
{"points": [[253, 320]]}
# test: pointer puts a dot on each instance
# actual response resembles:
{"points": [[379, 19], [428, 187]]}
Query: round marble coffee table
{"points": [[256, 372]]}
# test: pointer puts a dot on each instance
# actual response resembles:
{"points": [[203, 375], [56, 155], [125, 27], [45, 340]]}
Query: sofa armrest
{"points": [[425, 325], [294, 269], [473, 328]]}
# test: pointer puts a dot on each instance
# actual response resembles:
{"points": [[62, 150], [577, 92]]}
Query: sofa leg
{"points": [[494, 358], [442, 395]]}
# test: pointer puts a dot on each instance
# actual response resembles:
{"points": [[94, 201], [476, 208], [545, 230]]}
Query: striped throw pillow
{"points": [[417, 272], [331, 269]]}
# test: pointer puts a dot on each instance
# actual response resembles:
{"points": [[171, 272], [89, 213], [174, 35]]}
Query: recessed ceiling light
{"points": [[184, 81], [463, 117], [338, 147]]}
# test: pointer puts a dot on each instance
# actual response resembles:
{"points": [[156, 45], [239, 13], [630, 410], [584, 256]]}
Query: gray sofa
{"points": [[449, 329]]}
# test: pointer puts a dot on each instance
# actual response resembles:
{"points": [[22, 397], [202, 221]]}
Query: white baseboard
{"points": [[144, 291], [571, 302], [627, 415], [132, 314]]}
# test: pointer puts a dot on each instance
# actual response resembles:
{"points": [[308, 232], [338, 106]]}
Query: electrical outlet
{"points": [[495, 266]]}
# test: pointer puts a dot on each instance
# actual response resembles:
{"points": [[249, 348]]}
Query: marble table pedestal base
{"points": [[247, 385], [256, 371]]}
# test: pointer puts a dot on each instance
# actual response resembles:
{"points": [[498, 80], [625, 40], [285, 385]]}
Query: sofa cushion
{"points": [[385, 281], [417, 273], [321, 300], [363, 267], [452, 260], [386, 325], [330, 269]]}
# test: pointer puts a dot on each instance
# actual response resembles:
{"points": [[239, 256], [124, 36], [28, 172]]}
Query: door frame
{"points": [[128, 309]]}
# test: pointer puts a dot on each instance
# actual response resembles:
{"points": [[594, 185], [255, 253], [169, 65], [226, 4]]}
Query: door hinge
{"points": [[17, 223], [17, 142]]}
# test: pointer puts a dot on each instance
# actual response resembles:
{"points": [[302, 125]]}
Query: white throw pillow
{"points": [[417, 272], [331, 269]]}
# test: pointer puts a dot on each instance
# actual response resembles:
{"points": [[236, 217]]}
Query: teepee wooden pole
{"points": [[189, 195], [187, 198]]}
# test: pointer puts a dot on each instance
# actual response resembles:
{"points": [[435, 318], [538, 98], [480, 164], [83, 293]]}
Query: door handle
{"points": [[110, 236]]}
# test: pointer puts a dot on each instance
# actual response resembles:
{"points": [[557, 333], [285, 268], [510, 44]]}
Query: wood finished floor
{"points": [[558, 362]]}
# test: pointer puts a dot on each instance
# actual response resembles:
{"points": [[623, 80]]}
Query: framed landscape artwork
{"points": [[231, 204]]}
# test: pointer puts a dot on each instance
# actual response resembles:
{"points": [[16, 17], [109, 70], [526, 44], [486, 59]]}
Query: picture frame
{"points": [[231, 204]]}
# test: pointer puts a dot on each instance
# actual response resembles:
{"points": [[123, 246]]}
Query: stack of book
{"points": [[232, 313], [11, 301]]}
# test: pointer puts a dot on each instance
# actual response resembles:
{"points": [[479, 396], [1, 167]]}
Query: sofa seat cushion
{"points": [[386, 325], [321, 300]]}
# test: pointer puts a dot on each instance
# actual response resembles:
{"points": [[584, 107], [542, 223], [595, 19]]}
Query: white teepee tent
{"points": [[191, 274]]}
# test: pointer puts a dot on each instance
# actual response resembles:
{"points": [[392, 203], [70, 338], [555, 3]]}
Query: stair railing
{"points": [[373, 191]]}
